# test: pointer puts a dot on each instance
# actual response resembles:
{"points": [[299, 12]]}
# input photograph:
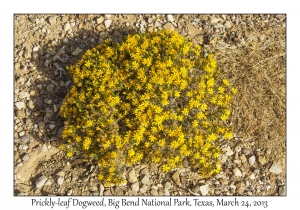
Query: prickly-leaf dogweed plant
{"points": [[154, 98]]}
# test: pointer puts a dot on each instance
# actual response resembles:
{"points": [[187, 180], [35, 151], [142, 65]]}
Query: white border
{"points": [[7, 200]]}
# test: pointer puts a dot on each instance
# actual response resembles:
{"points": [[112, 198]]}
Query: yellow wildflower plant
{"points": [[152, 98]]}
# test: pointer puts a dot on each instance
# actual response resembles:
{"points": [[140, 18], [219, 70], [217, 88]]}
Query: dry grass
{"points": [[257, 67]]}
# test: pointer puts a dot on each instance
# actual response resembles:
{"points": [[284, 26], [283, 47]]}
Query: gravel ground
{"points": [[45, 44]]}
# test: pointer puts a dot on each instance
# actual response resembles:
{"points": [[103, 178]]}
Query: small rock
{"points": [[214, 20], [51, 126], [143, 189], [282, 190], [52, 20], [223, 181], [166, 192], [280, 17], [22, 133], [169, 26], [275, 168], [252, 176], [107, 16], [153, 192], [107, 23], [227, 24], [35, 48], [132, 176], [246, 151], [60, 180], [170, 18], [101, 189], [243, 158], [99, 20], [251, 160], [228, 151], [146, 180], [237, 172], [92, 40], [168, 185], [196, 189], [60, 173], [107, 193], [135, 187], [67, 26], [176, 178], [40, 181], [25, 157], [262, 160], [204, 189], [20, 105], [50, 88], [240, 188]]}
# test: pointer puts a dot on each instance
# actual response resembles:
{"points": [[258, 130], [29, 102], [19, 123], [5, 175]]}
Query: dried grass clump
{"points": [[257, 68]]}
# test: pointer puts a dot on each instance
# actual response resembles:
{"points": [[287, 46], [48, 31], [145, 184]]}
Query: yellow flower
{"points": [[100, 177], [185, 111], [131, 152], [234, 90], [86, 143], [228, 135], [70, 154], [165, 168], [226, 82], [195, 124]]}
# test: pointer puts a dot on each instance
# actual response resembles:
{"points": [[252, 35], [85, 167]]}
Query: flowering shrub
{"points": [[152, 98]]}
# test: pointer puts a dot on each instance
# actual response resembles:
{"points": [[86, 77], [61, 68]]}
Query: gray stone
{"points": [[275, 168], [40, 181], [228, 151], [145, 180], [204, 189], [104, 35], [251, 160], [51, 126], [176, 178], [50, 87], [135, 187], [20, 105], [107, 23], [25, 157], [169, 26], [52, 20], [67, 26], [77, 51], [35, 48], [132, 176], [195, 189], [237, 172], [247, 151]]}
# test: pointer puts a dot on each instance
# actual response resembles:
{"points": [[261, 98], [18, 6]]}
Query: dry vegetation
{"points": [[258, 69]]}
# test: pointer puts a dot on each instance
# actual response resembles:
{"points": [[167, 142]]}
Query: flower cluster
{"points": [[151, 98]]}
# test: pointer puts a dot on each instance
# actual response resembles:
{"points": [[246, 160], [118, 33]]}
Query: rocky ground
{"points": [[45, 44]]}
